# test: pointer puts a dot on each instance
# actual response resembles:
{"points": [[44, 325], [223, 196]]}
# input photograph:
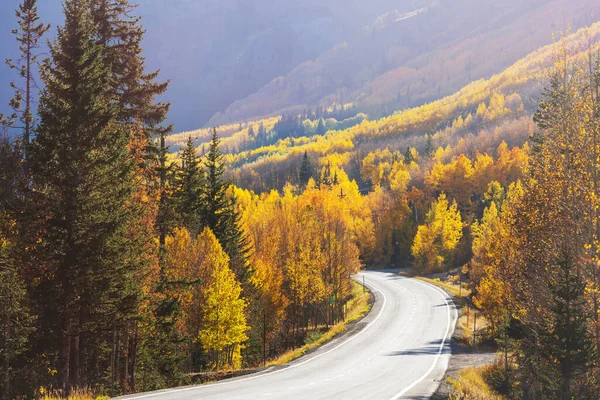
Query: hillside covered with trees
{"points": [[132, 258], [251, 59], [413, 54]]}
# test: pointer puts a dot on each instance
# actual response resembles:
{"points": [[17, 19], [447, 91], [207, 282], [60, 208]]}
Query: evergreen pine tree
{"points": [[408, 156], [189, 185], [10, 175], [16, 322], [306, 169], [81, 163], [261, 137], [566, 340], [120, 33], [214, 197], [321, 127], [165, 335], [29, 34], [429, 147], [219, 214]]}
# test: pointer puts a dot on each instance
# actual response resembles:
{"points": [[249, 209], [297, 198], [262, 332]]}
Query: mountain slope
{"points": [[218, 51], [413, 58], [475, 119], [253, 58]]}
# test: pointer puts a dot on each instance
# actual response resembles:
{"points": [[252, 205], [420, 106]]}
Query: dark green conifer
{"points": [[429, 147], [189, 181], [218, 211], [80, 161], [321, 130], [408, 156], [16, 321], [306, 169], [29, 34], [120, 33], [214, 196], [568, 345]]}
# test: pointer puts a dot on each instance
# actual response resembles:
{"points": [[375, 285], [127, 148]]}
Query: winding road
{"points": [[400, 350]]}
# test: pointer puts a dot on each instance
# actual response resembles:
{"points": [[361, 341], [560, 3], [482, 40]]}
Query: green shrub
{"points": [[312, 337]]}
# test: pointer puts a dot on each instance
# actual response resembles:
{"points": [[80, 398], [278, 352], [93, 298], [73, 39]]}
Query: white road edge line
{"points": [[437, 357], [199, 387]]}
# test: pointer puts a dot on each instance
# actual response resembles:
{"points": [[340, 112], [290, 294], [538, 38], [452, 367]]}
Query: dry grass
{"points": [[357, 307], [471, 385], [466, 323], [466, 318], [451, 286], [77, 394]]}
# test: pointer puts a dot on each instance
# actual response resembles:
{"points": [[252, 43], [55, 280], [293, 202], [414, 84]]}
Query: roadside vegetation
{"points": [[476, 384], [126, 266], [357, 307]]}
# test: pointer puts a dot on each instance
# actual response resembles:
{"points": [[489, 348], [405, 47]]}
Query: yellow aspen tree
{"points": [[490, 237], [436, 240], [224, 323]]}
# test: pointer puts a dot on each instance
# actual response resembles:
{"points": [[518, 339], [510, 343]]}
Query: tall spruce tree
{"points": [[16, 321], [120, 33], [165, 336], [215, 202], [321, 130], [567, 343], [81, 164], [189, 186], [15, 316], [408, 156], [429, 147], [219, 214], [29, 34], [306, 171]]}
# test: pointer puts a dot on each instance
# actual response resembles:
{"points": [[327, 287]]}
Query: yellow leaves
{"points": [[435, 241], [455, 179], [399, 179], [490, 298], [458, 123], [481, 110], [224, 321], [423, 248]]}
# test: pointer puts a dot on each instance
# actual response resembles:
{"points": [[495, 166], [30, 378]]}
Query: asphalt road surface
{"points": [[399, 351]]}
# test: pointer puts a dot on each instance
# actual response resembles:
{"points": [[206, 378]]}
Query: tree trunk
{"points": [[566, 392], [264, 338], [125, 376], [133, 360], [82, 364], [117, 358], [64, 357], [7, 325], [75, 371], [113, 361], [28, 94]]}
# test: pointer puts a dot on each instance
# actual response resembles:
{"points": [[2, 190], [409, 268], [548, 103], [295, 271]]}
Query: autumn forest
{"points": [[133, 258]]}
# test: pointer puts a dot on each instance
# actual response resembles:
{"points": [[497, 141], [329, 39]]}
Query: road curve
{"points": [[399, 351]]}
